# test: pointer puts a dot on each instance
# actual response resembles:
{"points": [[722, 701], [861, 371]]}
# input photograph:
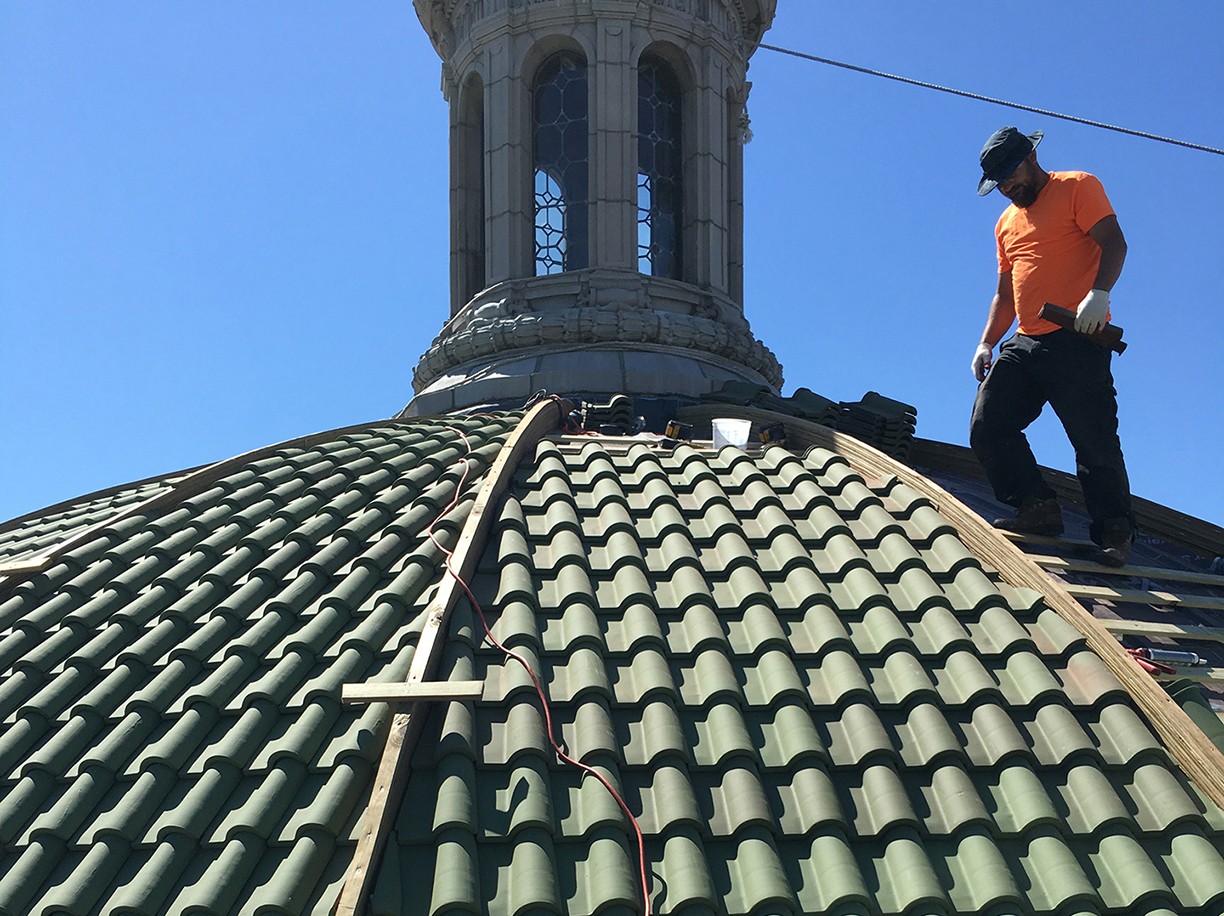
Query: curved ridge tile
{"points": [[923, 735], [855, 736], [668, 802], [877, 631], [1026, 679], [648, 676], [1056, 734], [453, 802], [1055, 878], [521, 730], [906, 876], [876, 801], [756, 628], [756, 880], [799, 590], [963, 679], [720, 735], [837, 680], [979, 879], [734, 800], [948, 801], [827, 874], [1195, 869], [262, 811], [1121, 735], [1088, 797], [629, 584], [1087, 681], [787, 736], [774, 676], [698, 627], [902, 680], [1160, 798], [577, 625], [683, 884], [858, 591], [592, 734], [938, 632], [656, 733], [990, 735], [579, 676], [997, 632], [1017, 799]]}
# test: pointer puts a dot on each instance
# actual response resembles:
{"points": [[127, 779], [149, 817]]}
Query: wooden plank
{"points": [[1164, 630], [1139, 572], [1185, 741], [1142, 596], [392, 775], [1071, 543], [407, 693], [25, 567]]}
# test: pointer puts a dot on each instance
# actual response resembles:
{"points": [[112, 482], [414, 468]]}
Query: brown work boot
{"points": [[1038, 516], [1117, 537]]}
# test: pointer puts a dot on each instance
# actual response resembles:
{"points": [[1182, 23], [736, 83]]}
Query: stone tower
{"points": [[596, 199]]}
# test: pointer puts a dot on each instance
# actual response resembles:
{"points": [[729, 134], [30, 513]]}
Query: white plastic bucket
{"points": [[731, 432]]}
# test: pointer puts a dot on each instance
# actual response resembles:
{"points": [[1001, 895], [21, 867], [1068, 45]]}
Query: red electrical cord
{"points": [[539, 688]]}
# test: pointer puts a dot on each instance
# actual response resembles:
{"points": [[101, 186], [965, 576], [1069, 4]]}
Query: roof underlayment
{"points": [[814, 696]]}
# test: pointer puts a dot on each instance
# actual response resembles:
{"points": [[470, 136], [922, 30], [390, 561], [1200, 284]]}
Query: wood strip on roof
{"points": [[406, 726]]}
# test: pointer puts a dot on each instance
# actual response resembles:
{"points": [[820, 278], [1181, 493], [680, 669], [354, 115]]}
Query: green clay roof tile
{"points": [[812, 693]]}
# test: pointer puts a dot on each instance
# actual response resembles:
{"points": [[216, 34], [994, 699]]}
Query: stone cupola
{"points": [[596, 199]]}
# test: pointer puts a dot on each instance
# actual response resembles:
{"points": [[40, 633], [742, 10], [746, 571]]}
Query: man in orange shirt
{"points": [[1059, 242]]}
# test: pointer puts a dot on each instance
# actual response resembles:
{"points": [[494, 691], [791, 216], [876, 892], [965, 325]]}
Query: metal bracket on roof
{"points": [[422, 691]]}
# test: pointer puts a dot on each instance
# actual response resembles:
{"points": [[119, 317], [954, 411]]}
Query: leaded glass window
{"points": [[659, 166], [560, 164]]}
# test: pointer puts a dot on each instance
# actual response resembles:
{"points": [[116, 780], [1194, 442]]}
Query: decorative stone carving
{"points": [[619, 311]]}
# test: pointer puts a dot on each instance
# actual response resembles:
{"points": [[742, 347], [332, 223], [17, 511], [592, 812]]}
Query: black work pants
{"points": [[1071, 374]]}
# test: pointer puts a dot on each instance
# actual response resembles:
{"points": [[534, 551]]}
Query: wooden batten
{"points": [[392, 775]]}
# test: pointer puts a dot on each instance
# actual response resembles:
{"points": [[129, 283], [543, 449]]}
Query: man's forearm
{"points": [[1108, 235], [998, 321], [1112, 259]]}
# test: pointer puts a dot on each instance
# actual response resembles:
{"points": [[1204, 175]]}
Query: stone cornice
{"points": [[596, 307]]}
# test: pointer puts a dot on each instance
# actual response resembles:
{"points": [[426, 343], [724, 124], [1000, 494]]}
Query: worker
{"points": [[1059, 242]]}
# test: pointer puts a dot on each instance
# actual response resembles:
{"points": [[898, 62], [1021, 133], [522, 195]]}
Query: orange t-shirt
{"points": [[1047, 247]]}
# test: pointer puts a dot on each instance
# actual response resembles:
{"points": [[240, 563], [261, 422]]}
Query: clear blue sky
{"points": [[223, 224]]}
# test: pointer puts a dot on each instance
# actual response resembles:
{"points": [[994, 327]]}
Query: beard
{"points": [[1023, 196]]}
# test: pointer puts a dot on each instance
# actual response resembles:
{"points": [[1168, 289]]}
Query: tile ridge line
{"points": [[1190, 748], [406, 725]]}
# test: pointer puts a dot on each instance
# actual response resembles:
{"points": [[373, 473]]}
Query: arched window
{"points": [[560, 163], [660, 164]]}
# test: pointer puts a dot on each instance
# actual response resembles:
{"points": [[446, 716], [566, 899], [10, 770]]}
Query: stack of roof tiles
{"points": [[887, 424], [812, 696]]}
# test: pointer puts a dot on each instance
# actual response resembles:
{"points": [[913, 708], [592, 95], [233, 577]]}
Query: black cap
{"points": [[1002, 155]]}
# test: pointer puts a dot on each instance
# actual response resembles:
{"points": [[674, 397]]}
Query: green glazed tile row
{"points": [[24, 538], [171, 737], [815, 699]]}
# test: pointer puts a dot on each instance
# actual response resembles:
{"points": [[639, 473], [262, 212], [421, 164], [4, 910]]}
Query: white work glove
{"points": [[1092, 312], [982, 359]]}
